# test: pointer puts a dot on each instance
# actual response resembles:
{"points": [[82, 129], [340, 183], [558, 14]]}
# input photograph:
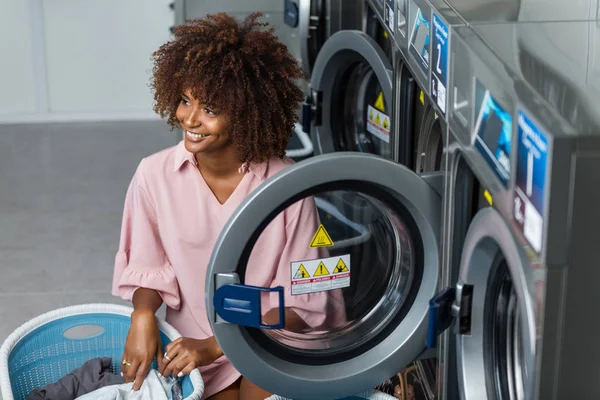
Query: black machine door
{"points": [[320, 282], [312, 26], [351, 89]]}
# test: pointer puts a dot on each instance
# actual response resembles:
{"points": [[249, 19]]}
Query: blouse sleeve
{"points": [[141, 261], [315, 309]]}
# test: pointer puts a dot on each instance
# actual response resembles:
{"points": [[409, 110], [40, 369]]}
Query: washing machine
{"points": [[350, 107], [410, 22], [312, 23], [409, 17], [371, 289], [520, 209]]}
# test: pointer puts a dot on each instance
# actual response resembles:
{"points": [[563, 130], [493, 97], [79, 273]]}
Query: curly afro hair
{"points": [[238, 68]]}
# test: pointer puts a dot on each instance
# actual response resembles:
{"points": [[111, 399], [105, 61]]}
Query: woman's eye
{"points": [[209, 111], [184, 101]]}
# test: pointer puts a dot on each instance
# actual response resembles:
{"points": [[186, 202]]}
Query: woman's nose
{"points": [[192, 119]]}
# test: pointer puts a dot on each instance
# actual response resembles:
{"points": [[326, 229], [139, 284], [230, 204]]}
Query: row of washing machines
{"points": [[452, 148]]}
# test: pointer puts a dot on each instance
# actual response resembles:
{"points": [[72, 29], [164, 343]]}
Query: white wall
{"points": [[67, 60], [79, 59], [17, 84]]}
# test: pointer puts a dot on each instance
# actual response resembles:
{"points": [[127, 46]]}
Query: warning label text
{"points": [[322, 274]]}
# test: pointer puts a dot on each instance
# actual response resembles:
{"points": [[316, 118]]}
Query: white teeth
{"points": [[196, 136]]}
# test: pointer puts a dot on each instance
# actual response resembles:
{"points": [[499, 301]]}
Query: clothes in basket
{"points": [[91, 376], [154, 387], [46, 348]]}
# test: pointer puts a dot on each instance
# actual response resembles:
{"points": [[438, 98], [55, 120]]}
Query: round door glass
{"points": [[504, 333], [349, 264], [367, 123]]}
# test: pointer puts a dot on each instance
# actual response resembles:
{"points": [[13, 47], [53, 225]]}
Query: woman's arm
{"points": [[146, 300], [143, 340]]}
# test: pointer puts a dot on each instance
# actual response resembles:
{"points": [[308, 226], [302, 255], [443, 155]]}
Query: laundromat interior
{"points": [[450, 150]]}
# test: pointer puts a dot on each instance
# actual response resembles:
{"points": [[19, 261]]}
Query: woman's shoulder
{"points": [[156, 165], [276, 165]]}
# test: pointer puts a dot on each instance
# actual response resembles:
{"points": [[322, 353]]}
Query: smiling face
{"points": [[206, 129]]}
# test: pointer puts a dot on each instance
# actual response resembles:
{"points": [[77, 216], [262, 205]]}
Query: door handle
{"points": [[241, 305]]}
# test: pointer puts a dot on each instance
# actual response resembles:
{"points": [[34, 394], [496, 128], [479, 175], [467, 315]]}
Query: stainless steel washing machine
{"points": [[351, 92], [411, 22], [524, 139]]}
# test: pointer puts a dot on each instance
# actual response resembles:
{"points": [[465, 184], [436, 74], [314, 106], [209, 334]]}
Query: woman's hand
{"points": [[183, 355], [143, 343]]}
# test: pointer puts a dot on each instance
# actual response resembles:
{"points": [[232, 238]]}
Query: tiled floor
{"points": [[62, 188]]}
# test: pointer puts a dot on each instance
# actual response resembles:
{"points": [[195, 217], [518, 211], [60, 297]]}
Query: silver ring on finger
{"points": [[167, 357]]}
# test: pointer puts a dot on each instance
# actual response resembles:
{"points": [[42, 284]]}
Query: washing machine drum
{"points": [[364, 235], [352, 84]]}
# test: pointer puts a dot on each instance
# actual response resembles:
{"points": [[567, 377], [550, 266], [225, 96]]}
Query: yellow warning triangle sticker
{"points": [[488, 197], [377, 120], [321, 270], [301, 273], [340, 267], [379, 102], [321, 238], [385, 124]]}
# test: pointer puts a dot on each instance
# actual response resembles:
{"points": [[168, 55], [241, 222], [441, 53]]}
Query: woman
{"points": [[229, 86]]}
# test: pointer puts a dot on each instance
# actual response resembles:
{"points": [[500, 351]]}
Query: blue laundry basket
{"points": [[48, 347]]}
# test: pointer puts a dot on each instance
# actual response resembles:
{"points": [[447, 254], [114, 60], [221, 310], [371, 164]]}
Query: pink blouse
{"points": [[171, 221]]}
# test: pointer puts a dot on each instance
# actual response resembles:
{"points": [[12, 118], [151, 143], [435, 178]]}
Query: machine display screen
{"points": [[419, 41], [493, 133], [421, 37]]}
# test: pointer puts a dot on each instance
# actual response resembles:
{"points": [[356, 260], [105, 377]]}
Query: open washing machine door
{"points": [[351, 96], [495, 310], [359, 274]]}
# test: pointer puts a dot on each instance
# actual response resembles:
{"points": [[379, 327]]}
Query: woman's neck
{"points": [[218, 165]]}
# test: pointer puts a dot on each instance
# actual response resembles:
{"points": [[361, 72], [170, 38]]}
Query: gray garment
{"points": [[155, 387], [91, 376]]}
